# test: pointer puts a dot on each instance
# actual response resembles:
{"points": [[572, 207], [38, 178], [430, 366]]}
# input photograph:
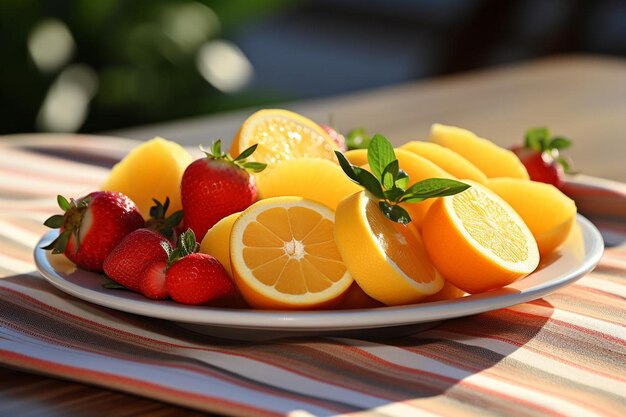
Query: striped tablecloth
{"points": [[564, 354]]}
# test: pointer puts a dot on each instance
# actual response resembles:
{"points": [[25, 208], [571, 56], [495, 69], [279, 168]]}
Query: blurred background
{"points": [[97, 65]]}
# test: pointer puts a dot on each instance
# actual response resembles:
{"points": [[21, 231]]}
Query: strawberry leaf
{"points": [[246, 153], [254, 166], [559, 142], [55, 221], [59, 244], [63, 203]]}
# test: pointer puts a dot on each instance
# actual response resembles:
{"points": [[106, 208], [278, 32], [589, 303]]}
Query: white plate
{"points": [[578, 256]]}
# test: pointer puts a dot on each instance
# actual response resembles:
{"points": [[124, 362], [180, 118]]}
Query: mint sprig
{"points": [[357, 139], [388, 182], [540, 140]]}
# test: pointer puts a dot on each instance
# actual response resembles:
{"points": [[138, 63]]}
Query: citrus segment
{"points": [[216, 242], [357, 157], [284, 256], [281, 135], [386, 259], [151, 170], [447, 159], [491, 159], [477, 241], [548, 213], [448, 292], [315, 179]]}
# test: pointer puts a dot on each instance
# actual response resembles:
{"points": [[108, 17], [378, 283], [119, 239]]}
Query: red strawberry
{"points": [[133, 254], [196, 278], [92, 226], [540, 156], [339, 139], [216, 186], [152, 281]]}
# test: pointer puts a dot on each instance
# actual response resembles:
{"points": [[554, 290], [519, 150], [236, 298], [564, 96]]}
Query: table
{"points": [[579, 96]]}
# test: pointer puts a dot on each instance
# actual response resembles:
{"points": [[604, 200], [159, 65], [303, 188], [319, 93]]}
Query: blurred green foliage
{"points": [[142, 55]]}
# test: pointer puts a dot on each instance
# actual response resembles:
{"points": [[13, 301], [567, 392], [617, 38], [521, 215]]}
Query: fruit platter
{"points": [[297, 228]]}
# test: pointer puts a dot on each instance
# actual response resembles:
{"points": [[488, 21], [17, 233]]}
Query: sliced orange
{"points": [[548, 213], [386, 259], [477, 241], [491, 159], [153, 169], [283, 255], [281, 135], [448, 292], [315, 179], [446, 159], [216, 242]]}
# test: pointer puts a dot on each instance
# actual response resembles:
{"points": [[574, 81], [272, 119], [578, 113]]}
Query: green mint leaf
{"points": [[402, 180], [394, 212], [63, 203], [369, 182], [394, 194], [254, 166], [432, 187], [379, 154], [55, 222], [346, 166], [560, 142], [357, 139], [246, 153], [390, 174]]}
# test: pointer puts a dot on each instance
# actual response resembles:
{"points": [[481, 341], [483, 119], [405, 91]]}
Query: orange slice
{"points": [[282, 135], [446, 159], [315, 179], [548, 213], [477, 241], [283, 255], [491, 159], [386, 259]]}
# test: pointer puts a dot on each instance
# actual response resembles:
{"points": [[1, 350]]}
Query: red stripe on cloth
{"points": [[130, 385]]}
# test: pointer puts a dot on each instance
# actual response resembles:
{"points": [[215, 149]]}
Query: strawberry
{"points": [[196, 278], [152, 281], [92, 226], [133, 254], [540, 156], [339, 139], [216, 186]]}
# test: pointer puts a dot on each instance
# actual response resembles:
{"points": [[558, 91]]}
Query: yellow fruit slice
{"points": [[151, 170], [386, 259], [548, 213], [477, 241], [216, 242], [355, 297], [447, 159], [281, 135], [357, 157], [283, 255], [448, 292], [491, 159], [315, 179]]}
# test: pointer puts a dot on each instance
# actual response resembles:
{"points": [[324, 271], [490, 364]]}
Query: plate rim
{"points": [[324, 320]]}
